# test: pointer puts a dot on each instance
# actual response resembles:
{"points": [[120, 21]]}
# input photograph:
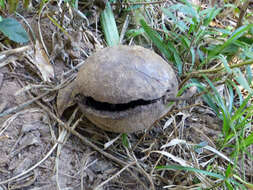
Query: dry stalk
{"points": [[114, 176]]}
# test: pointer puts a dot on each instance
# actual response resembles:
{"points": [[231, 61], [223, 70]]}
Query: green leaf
{"points": [[134, 32], [193, 57], [228, 172], [167, 50], [247, 39], [236, 34], [239, 77], [184, 88], [199, 147], [207, 97], [177, 167], [225, 63], [211, 14], [238, 91], [169, 14], [249, 74], [109, 26], [133, 7], [125, 141], [14, 30], [176, 56], [217, 96], [156, 39], [231, 97], [2, 5], [187, 10], [185, 42], [226, 125], [229, 186], [245, 122], [240, 111], [249, 140]]}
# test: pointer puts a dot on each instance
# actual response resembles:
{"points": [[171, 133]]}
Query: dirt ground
{"points": [[28, 139]]}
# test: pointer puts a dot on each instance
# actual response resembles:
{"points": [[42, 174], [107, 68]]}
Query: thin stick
{"points": [[6, 53], [115, 175], [209, 71], [21, 106]]}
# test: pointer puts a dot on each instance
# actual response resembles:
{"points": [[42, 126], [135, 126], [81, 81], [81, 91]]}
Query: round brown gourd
{"points": [[122, 88]]}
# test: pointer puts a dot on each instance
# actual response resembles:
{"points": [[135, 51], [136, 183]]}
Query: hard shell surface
{"points": [[121, 89], [136, 121], [122, 74]]}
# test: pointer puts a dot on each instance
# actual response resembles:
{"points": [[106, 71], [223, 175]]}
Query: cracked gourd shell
{"points": [[124, 75]]}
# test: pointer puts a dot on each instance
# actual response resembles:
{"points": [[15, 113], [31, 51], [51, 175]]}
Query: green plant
{"points": [[190, 39]]}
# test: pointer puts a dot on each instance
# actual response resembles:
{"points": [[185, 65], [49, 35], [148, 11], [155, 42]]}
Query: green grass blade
{"points": [[211, 14], [217, 96], [2, 4], [109, 26], [238, 91], [225, 63], [183, 89], [240, 78], [231, 98], [239, 112], [226, 126], [125, 140], [166, 49], [236, 34], [248, 141], [156, 39], [249, 74], [207, 97], [244, 122], [190, 169]]}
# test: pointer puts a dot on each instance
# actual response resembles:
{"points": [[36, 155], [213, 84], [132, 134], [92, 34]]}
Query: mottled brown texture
{"points": [[120, 75]]}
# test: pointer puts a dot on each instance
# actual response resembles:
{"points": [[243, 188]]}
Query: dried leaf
{"points": [[65, 98], [42, 62]]}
